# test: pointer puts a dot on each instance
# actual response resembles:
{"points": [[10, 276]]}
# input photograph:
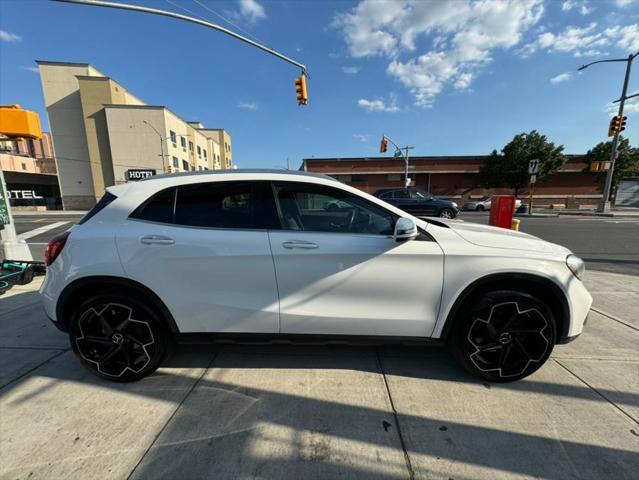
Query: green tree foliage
{"points": [[510, 167], [626, 165]]}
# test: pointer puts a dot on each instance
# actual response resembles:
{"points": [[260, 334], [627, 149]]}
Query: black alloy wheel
{"points": [[118, 338], [503, 335]]}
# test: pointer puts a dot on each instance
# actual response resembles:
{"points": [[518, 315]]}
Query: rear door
{"points": [[203, 249], [342, 272]]}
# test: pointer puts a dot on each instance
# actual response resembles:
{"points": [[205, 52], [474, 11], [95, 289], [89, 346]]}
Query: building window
{"points": [[24, 166], [183, 142], [394, 177], [199, 167], [185, 165], [204, 151], [342, 178], [358, 178], [175, 162], [173, 138], [191, 146], [199, 151], [192, 167]]}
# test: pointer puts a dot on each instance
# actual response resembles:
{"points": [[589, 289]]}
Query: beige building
{"points": [[101, 131]]}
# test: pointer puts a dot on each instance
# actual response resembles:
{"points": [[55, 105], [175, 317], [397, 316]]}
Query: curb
{"points": [[53, 213]]}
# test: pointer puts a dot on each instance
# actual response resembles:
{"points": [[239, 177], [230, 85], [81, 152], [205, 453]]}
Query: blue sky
{"points": [[450, 78]]}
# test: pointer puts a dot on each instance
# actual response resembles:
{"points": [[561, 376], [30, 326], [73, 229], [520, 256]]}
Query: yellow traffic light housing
{"points": [[595, 167], [18, 123], [169, 169], [300, 90], [383, 146], [617, 125]]}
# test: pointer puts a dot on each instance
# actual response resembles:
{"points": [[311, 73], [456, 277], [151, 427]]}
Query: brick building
{"points": [[456, 178]]}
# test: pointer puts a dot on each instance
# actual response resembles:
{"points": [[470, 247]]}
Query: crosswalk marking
{"points": [[40, 230]]}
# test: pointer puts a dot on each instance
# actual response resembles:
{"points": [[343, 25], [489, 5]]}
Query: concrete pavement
{"points": [[273, 411]]}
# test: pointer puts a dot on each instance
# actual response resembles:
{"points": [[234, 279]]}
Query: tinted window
{"points": [[417, 195], [318, 208], [386, 195], [159, 208], [401, 194], [217, 205], [104, 201]]}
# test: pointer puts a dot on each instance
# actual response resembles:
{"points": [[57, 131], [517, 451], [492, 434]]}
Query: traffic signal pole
{"points": [[403, 154], [604, 206]]}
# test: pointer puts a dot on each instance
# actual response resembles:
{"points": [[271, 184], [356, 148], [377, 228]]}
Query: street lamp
{"points": [[404, 154], [605, 205], [162, 140]]}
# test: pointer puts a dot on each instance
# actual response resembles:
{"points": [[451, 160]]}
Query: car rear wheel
{"points": [[502, 336], [480, 208], [118, 338], [446, 213]]}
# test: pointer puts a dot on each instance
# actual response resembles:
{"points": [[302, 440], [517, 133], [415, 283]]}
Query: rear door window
{"points": [[228, 205], [106, 199]]}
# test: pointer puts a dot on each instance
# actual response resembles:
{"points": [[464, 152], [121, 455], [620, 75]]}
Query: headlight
{"points": [[576, 265], [454, 205]]}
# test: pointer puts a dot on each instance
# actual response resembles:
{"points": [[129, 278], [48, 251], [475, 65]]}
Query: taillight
{"points": [[54, 247]]}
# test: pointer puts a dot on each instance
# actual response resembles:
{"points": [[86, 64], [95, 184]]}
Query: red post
{"points": [[502, 208]]}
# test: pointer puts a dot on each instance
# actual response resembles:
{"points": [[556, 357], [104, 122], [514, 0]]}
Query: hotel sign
{"points": [[133, 175]]}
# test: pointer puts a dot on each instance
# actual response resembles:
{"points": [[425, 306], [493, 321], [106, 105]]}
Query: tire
{"points": [[118, 338], [504, 335], [480, 208], [446, 213]]}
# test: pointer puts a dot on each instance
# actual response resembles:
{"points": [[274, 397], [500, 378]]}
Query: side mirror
{"points": [[405, 229]]}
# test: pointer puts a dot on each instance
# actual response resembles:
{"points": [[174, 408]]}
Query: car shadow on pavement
{"points": [[323, 411]]}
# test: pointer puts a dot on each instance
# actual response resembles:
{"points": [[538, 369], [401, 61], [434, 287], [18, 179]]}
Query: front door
{"points": [[340, 271], [203, 249]]}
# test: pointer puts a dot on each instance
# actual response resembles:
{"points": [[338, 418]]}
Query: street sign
{"points": [[398, 154], [133, 175], [533, 167], [533, 179]]}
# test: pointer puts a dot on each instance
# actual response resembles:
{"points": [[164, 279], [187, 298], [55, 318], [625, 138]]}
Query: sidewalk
{"points": [[317, 412]]}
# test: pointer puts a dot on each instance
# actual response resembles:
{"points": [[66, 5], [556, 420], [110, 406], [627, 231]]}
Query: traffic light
{"points": [[595, 167], [617, 125], [300, 90], [169, 169], [383, 146]]}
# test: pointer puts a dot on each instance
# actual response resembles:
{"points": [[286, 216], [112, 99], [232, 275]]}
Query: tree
{"points": [[626, 165], [510, 167]]}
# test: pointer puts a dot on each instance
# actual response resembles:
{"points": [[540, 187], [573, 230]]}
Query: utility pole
{"points": [[604, 206], [161, 143]]}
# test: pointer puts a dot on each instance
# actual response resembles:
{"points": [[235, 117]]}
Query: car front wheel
{"points": [[117, 337], [502, 336]]}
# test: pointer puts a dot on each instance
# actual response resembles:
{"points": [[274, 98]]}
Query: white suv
{"points": [[248, 253]]}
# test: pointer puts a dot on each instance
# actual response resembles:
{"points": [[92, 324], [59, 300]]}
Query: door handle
{"points": [[300, 244], [156, 240]]}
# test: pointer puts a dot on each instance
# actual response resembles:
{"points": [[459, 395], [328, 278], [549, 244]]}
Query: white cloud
{"points": [[624, 3], [462, 34], [362, 137], [350, 70], [251, 10], [581, 6], [378, 105], [585, 41], [562, 77], [9, 37], [248, 106], [30, 69], [627, 37]]}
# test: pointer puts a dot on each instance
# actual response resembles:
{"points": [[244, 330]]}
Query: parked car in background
{"points": [[484, 204], [418, 202]]}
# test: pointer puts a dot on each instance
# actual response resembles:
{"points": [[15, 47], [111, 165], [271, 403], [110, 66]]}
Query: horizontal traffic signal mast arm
{"points": [[166, 13]]}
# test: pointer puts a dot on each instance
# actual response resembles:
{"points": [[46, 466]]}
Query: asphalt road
{"points": [[607, 244]]}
